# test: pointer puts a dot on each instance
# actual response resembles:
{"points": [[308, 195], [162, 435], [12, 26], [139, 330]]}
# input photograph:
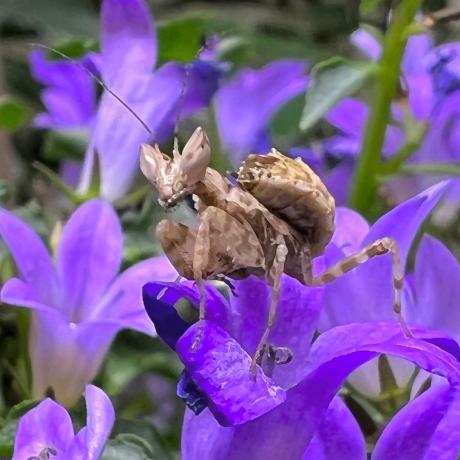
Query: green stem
{"points": [[57, 181], [364, 187], [435, 169]]}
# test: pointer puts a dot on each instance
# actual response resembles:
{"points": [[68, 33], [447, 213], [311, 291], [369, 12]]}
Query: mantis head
{"points": [[174, 178]]}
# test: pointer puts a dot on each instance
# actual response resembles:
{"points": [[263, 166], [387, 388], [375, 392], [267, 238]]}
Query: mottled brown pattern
{"points": [[275, 221], [291, 190]]}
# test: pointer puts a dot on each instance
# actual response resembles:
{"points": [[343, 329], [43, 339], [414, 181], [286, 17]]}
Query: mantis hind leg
{"points": [[377, 248], [274, 278]]}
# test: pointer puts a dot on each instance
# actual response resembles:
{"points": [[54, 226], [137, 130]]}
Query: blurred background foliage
{"points": [[140, 373]]}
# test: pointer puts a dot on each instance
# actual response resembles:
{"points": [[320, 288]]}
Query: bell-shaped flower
{"points": [[298, 314], [78, 302], [286, 410], [69, 95], [126, 65], [246, 104], [431, 78], [368, 288], [46, 431], [427, 428]]}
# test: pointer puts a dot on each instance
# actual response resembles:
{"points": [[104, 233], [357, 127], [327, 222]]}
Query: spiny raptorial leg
{"points": [[377, 248], [274, 276]]}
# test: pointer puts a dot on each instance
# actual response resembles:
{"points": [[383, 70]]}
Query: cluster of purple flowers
{"points": [[430, 83], [290, 409], [336, 333]]}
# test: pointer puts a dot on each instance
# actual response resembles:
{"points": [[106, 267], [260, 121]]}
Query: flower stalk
{"points": [[364, 186]]}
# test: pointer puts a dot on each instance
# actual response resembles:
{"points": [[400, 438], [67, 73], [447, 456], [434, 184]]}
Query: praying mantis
{"points": [[275, 220]]}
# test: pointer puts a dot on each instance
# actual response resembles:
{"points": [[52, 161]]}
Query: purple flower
{"points": [[432, 79], [368, 289], [289, 430], [419, 430], [47, 429], [424, 429], [126, 64], [79, 303], [246, 104], [371, 283], [69, 95], [128, 57], [233, 329], [287, 409]]}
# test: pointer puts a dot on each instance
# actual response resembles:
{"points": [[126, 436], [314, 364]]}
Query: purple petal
{"points": [[203, 438], [417, 48], [30, 256], [445, 442], [88, 257], [117, 134], [70, 172], [421, 95], [349, 116], [367, 43], [366, 293], [168, 323], [442, 140], [436, 292], [123, 300], [220, 368], [403, 222], [46, 426], [245, 105], [217, 309], [66, 356], [69, 97], [313, 157], [350, 230], [339, 436], [427, 428], [202, 83], [336, 353], [17, 292], [338, 181], [99, 422], [342, 147], [128, 39], [297, 318], [387, 337]]}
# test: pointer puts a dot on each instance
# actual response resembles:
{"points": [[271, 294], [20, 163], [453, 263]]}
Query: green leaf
{"points": [[333, 80], [13, 113], [63, 144], [7, 433], [368, 6], [143, 434], [8, 427], [74, 48], [180, 39], [126, 446]]}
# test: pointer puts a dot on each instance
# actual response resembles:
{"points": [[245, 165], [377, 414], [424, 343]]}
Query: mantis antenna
{"points": [[100, 82]]}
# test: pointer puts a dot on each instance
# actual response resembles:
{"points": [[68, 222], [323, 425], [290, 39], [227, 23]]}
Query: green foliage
{"points": [[63, 144], [13, 113], [180, 39], [332, 80], [130, 446], [9, 425], [368, 6]]}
